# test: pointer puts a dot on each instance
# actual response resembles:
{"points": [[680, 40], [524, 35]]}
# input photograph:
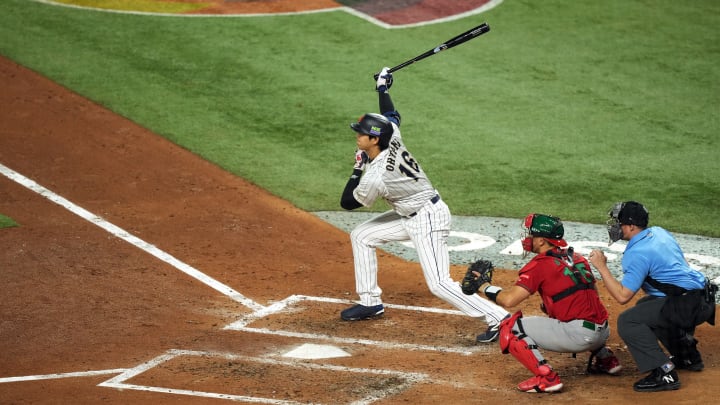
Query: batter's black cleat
{"points": [[658, 380], [490, 335], [359, 312]]}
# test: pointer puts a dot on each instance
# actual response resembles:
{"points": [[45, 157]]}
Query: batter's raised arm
{"points": [[382, 86]]}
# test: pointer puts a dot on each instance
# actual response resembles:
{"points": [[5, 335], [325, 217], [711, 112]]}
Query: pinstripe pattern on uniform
{"points": [[429, 231], [397, 177], [365, 238], [418, 215]]}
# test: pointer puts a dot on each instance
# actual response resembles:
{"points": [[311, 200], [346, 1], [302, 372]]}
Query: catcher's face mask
{"points": [[527, 237], [613, 223]]}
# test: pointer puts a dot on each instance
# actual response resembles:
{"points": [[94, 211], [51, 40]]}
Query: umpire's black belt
{"points": [[594, 326], [433, 200]]}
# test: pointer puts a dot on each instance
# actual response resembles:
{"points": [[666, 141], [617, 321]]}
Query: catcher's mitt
{"points": [[472, 282]]}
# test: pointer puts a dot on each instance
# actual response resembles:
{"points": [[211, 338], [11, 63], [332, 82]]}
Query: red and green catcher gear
{"points": [[513, 340]]}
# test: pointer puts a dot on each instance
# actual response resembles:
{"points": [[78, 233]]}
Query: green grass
{"points": [[563, 108], [6, 222]]}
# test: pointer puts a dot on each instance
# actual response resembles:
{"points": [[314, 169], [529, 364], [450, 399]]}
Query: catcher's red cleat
{"points": [[539, 383], [608, 365]]}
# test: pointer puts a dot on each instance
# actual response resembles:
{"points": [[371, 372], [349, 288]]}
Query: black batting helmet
{"points": [[374, 125]]}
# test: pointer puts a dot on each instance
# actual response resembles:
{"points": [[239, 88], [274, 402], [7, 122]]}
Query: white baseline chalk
{"points": [[133, 240]]}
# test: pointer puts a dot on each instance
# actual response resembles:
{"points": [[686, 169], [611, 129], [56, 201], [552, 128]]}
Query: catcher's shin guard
{"points": [[513, 340], [506, 332]]}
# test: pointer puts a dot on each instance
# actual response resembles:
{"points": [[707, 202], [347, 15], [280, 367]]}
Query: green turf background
{"points": [[563, 108]]}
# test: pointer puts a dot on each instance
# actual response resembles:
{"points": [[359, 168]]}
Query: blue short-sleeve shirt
{"points": [[654, 252]]}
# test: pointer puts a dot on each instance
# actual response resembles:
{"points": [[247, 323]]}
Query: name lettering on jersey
{"points": [[393, 148]]}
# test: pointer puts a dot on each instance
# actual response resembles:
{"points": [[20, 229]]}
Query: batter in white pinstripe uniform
{"points": [[384, 168]]}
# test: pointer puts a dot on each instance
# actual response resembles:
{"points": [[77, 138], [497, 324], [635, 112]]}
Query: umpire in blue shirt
{"points": [[677, 298]]}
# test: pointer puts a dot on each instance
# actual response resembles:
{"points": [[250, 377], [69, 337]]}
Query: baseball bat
{"points": [[450, 43]]}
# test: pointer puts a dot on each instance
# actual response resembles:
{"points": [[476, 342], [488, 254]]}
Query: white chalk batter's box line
{"points": [[410, 378], [259, 310], [119, 382], [284, 305]]}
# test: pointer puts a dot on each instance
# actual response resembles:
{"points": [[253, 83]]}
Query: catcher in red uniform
{"points": [[577, 320]]}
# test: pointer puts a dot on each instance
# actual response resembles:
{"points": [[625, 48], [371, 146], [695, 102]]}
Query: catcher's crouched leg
{"points": [[513, 340]]}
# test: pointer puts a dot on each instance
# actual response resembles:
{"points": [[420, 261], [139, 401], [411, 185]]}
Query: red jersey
{"points": [[567, 292]]}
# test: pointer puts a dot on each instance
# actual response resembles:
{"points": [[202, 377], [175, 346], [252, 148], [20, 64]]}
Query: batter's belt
{"points": [[433, 200]]}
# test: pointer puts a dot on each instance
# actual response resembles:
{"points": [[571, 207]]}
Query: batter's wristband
{"points": [[492, 292]]}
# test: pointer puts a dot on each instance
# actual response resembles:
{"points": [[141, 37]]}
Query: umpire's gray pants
{"points": [[640, 327]]}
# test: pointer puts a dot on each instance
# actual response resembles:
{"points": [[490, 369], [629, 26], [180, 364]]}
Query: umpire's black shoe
{"points": [[658, 380], [359, 312], [693, 363]]}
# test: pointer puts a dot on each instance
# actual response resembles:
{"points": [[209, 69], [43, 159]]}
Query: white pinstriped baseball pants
{"points": [[428, 230]]}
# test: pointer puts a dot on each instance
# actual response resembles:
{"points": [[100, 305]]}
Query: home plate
{"points": [[311, 351]]}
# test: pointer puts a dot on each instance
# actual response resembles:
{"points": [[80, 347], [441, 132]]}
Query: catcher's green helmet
{"points": [[374, 125], [544, 226]]}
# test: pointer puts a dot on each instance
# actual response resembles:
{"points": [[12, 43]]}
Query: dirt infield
{"points": [[140, 273], [137, 329]]}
